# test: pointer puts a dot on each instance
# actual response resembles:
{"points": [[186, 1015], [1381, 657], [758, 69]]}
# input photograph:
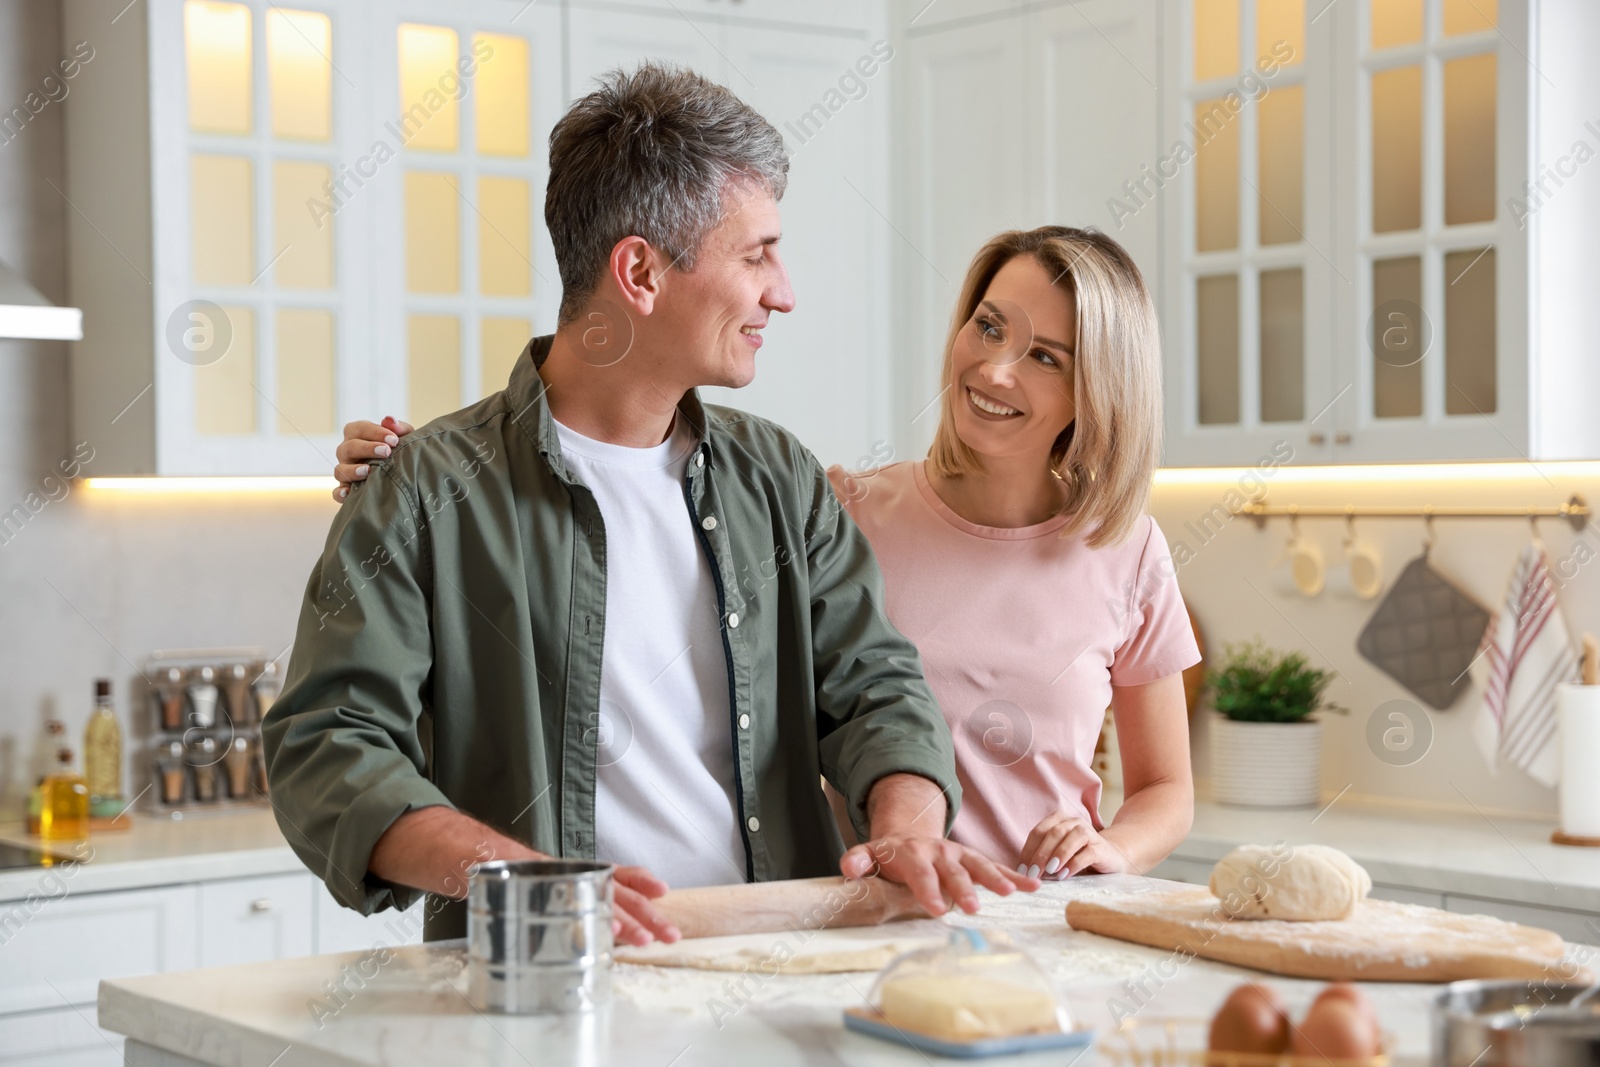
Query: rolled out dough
{"points": [[837, 951], [1306, 883]]}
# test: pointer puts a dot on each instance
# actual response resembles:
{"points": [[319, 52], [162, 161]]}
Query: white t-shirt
{"points": [[664, 768]]}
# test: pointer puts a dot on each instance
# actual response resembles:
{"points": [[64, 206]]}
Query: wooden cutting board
{"points": [[1382, 942]]}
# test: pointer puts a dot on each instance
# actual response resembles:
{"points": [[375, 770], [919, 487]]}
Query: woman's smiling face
{"points": [[1011, 370]]}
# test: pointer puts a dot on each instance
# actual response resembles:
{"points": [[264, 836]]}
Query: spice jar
{"points": [[174, 773]]}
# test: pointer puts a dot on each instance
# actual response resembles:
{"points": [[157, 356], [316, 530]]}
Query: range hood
{"points": [[24, 313]]}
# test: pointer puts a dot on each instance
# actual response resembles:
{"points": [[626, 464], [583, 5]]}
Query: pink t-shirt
{"points": [[1022, 635]]}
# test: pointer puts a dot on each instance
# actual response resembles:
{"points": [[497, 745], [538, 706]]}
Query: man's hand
{"points": [[1065, 843], [936, 871], [906, 812], [634, 919], [437, 848]]}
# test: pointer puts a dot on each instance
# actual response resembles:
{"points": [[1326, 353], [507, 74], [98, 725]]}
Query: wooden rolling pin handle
{"points": [[798, 904]]}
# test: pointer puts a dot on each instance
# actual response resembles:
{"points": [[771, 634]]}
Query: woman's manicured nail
{"points": [[1053, 866], [1033, 870], [392, 440], [361, 471], [344, 491], [1022, 868], [382, 451]]}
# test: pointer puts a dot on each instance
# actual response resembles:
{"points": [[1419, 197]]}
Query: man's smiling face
{"points": [[710, 318]]}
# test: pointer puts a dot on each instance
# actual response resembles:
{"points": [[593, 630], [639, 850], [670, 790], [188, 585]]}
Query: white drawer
{"points": [[61, 1038], [248, 920], [340, 929], [1582, 927], [56, 950]]}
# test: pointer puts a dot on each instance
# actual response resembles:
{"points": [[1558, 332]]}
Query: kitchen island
{"points": [[404, 1006]]}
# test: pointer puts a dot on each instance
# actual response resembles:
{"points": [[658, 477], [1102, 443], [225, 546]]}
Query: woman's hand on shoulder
{"points": [[1064, 844], [363, 443]]}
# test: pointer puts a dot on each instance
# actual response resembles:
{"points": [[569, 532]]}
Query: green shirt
{"points": [[448, 649]]}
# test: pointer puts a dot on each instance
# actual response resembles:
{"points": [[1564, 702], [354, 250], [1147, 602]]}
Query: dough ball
{"points": [[1309, 883]]}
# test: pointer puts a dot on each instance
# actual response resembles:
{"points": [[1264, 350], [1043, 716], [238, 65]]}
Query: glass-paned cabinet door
{"points": [[1434, 106], [467, 94], [260, 282], [1247, 265]]}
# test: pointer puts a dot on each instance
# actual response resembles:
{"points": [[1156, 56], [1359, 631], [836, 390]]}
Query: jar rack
{"points": [[203, 750]]}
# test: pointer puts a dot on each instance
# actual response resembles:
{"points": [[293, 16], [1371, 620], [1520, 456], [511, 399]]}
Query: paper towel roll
{"points": [[1579, 708]]}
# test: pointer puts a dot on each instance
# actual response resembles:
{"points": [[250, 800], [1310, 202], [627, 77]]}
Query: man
{"points": [[528, 635]]}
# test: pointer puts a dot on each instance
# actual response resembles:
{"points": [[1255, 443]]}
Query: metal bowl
{"points": [[539, 936], [1515, 1023]]}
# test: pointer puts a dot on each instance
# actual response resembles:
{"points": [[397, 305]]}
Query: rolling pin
{"points": [[801, 903]]}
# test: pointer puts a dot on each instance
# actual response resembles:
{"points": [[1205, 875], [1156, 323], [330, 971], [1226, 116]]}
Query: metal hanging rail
{"points": [[1575, 511]]}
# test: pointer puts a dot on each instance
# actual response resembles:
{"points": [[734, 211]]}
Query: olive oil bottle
{"points": [[64, 815], [102, 755]]}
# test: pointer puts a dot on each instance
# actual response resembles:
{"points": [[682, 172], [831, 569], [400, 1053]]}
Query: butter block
{"points": [[965, 1007]]}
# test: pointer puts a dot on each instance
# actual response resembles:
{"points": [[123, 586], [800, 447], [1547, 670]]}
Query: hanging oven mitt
{"points": [[1425, 634]]}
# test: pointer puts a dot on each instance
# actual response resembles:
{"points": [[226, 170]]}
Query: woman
{"points": [[1019, 559]]}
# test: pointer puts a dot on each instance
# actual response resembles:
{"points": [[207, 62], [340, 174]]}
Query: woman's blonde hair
{"points": [[1108, 454]]}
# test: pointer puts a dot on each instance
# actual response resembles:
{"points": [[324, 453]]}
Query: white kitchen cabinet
{"points": [[222, 331], [824, 371], [67, 1037], [822, 79], [246, 920], [1009, 116], [334, 211], [56, 956], [1435, 314], [288, 217], [341, 929], [463, 272]]}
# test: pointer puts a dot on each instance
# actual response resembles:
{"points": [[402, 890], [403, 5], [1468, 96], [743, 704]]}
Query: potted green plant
{"points": [[1266, 742]]}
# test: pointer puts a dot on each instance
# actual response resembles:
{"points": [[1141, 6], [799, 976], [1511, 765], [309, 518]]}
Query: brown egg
{"points": [[1351, 994], [1334, 1030], [1252, 1019]]}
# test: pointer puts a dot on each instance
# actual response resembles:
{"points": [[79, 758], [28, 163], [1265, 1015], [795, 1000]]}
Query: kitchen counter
{"points": [[1470, 854], [410, 1008], [160, 851]]}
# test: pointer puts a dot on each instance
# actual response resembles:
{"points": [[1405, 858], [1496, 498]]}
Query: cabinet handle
{"points": [[1319, 439], [264, 904], [1342, 439]]}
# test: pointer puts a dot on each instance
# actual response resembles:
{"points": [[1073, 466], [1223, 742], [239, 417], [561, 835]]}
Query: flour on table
{"points": [[1036, 921]]}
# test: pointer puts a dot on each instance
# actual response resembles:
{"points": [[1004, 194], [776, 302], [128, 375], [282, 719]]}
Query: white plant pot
{"points": [[1266, 764]]}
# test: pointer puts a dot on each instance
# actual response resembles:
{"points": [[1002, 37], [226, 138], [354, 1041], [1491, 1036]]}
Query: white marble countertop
{"points": [[1471, 854], [410, 1008], [1474, 855], [160, 851]]}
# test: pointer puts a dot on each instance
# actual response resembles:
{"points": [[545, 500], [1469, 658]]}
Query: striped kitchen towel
{"points": [[1526, 654]]}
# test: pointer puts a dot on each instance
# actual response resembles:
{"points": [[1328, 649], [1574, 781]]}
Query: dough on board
{"points": [[1307, 883], [838, 951]]}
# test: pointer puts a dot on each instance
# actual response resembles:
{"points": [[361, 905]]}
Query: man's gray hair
{"points": [[649, 154]]}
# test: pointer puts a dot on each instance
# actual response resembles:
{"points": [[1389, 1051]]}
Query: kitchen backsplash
{"points": [[1225, 578]]}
